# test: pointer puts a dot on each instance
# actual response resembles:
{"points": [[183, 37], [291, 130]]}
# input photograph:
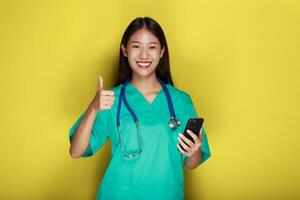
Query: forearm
{"points": [[81, 138], [193, 161]]}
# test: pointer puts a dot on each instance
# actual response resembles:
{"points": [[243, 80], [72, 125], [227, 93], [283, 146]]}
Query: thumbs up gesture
{"points": [[104, 99]]}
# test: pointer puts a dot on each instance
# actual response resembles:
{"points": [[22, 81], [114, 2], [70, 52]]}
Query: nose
{"points": [[144, 53]]}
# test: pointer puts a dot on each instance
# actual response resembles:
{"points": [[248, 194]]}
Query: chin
{"points": [[144, 75], [144, 72]]}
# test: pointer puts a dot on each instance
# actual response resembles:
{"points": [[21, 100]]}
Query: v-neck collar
{"points": [[131, 88]]}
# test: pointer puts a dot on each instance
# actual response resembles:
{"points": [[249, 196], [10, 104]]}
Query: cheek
{"points": [[132, 55], [156, 58], [155, 54]]}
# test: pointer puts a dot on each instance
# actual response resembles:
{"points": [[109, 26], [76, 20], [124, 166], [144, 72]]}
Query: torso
{"points": [[157, 171]]}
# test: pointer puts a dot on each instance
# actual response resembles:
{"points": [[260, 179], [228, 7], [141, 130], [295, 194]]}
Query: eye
{"points": [[153, 47], [135, 46]]}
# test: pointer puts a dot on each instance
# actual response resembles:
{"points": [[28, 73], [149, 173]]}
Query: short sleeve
{"points": [[190, 112], [99, 133]]}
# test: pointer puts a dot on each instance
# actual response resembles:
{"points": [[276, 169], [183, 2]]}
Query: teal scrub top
{"points": [[157, 173]]}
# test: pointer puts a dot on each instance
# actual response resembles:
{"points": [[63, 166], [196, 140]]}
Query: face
{"points": [[143, 51]]}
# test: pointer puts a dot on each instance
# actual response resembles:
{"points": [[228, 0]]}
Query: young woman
{"points": [[143, 116]]}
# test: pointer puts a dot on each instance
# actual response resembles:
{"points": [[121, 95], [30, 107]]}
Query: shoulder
{"points": [[178, 94], [182, 102]]}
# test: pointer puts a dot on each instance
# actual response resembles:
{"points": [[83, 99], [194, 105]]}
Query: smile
{"points": [[144, 64]]}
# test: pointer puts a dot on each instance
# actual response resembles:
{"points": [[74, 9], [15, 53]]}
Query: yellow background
{"points": [[239, 60]]}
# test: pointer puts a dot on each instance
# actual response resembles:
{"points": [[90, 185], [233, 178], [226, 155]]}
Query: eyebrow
{"points": [[140, 42]]}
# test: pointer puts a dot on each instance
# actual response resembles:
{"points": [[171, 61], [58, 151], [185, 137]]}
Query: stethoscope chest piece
{"points": [[173, 123]]}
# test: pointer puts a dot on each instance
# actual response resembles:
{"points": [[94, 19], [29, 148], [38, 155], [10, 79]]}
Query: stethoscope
{"points": [[173, 123]]}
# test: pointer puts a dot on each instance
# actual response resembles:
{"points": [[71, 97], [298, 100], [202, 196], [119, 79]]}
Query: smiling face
{"points": [[143, 51]]}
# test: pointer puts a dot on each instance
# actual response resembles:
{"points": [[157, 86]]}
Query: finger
{"points": [[107, 98], [107, 93], [100, 83], [201, 138], [107, 103], [180, 149], [186, 140], [104, 107], [201, 135], [184, 146], [194, 136], [200, 132]]}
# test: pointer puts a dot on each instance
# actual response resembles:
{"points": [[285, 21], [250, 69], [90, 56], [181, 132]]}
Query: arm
{"points": [[191, 150], [81, 138], [103, 100]]}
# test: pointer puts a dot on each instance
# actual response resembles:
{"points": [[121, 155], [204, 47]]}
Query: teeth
{"points": [[144, 64]]}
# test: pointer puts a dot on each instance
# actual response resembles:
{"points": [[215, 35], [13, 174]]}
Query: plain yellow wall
{"points": [[239, 60]]}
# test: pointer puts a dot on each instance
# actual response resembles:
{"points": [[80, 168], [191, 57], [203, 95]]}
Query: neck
{"points": [[146, 84]]}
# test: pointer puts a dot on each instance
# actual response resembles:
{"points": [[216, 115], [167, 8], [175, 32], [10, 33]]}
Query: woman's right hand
{"points": [[104, 99]]}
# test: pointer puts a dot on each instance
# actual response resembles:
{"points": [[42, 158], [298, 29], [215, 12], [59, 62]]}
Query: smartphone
{"points": [[194, 125]]}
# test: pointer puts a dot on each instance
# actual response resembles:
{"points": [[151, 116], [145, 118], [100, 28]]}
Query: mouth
{"points": [[143, 64]]}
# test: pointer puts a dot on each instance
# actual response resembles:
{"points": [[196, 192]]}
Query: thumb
{"points": [[201, 135], [100, 83]]}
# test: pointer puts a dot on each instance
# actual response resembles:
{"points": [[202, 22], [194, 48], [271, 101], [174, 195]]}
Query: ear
{"points": [[124, 50], [162, 52]]}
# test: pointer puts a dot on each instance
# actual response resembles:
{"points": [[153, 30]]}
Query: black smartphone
{"points": [[194, 125]]}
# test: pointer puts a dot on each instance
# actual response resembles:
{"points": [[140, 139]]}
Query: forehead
{"points": [[143, 36]]}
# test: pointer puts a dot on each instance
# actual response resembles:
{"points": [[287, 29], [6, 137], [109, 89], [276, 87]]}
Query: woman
{"points": [[146, 158]]}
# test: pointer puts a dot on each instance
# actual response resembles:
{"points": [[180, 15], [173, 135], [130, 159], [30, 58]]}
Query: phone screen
{"points": [[194, 125]]}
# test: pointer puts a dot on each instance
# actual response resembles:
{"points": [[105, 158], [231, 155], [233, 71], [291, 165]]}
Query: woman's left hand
{"points": [[189, 147]]}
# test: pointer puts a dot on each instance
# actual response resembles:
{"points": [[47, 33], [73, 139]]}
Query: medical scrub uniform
{"points": [[157, 173]]}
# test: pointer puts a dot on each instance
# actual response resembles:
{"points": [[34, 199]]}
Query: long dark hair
{"points": [[163, 69]]}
